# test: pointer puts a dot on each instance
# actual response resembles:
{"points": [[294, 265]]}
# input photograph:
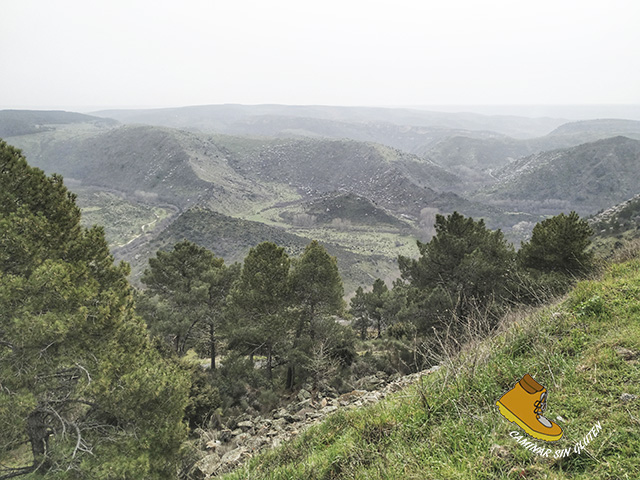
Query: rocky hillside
{"points": [[616, 227], [586, 178], [225, 448]]}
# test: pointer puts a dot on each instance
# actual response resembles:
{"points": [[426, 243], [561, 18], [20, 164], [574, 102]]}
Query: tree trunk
{"points": [[38, 433], [291, 375], [212, 345], [269, 364]]}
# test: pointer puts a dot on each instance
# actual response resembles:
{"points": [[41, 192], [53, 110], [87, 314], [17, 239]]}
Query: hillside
{"points": [[487, 154], [616, 227], [136, 160], [584, 350], [25, 122], [373, 171], [231, 238], [610, 127], [585, 178]]}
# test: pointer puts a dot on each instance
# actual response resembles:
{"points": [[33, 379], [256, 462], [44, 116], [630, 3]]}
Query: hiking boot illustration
{"points": [[524, 405]]}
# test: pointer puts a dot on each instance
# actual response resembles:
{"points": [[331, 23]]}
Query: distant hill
{"points": [[25, 122], [340, 208], [485, 154], [585, 178], [393, 179], [610, 127], [151, 163], [231, 238], [229, 118]]}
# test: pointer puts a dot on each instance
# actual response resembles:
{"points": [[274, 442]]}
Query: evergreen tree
{"points": [[80, 382], [317, 290], [360, 313], [559, 244], [260, 300], [191, 285], [316, 284], [375, 304], [464, 266]]}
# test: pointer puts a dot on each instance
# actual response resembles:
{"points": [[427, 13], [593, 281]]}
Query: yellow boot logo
{"points": [[524, 405]]}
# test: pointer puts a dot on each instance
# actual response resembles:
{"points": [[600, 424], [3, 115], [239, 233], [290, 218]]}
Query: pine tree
{"points": [[463, 267], [80, 382], [358, 308], [316, 284], [559, 244], [260, 300], [317, 290], [187, 292]]}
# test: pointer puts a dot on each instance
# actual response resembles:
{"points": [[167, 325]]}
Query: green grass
{"points": [[448, 427]]}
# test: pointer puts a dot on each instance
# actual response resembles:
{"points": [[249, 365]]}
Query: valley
{"points": [[366, 182]]}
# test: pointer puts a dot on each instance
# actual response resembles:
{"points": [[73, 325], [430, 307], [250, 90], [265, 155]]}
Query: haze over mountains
{"points": [[365, 181]]}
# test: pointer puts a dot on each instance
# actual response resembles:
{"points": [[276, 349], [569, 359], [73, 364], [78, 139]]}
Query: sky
{"points": [[90, 54]]}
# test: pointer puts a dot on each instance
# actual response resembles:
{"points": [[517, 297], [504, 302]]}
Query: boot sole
{"points": [[508, 414]]}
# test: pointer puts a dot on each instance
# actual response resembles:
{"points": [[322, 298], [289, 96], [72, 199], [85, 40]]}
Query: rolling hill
{"points": [[230, 118], [361, 198], [585, 178], [25, 122], [231, 238]]}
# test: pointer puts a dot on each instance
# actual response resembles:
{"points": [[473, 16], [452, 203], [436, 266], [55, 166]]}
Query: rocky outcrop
{"points": [[227, 448]]}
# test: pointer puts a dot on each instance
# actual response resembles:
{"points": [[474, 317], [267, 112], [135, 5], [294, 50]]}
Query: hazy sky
{"points": [[90, 53]]}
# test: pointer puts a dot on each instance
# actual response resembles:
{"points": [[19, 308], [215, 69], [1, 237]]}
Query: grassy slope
{"points": [[449, 427]]}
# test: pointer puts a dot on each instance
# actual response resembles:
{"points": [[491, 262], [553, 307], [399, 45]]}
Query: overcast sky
{"points": [[114, 53]]}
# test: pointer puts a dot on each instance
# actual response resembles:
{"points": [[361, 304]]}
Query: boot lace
{"points": [[540, 405]]}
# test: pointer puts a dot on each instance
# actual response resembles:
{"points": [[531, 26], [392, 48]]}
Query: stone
{"points": [[628, 397], [280, 413], [279, 423], [233, 456], [329, 409], [208, 465], [303, 394]]}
